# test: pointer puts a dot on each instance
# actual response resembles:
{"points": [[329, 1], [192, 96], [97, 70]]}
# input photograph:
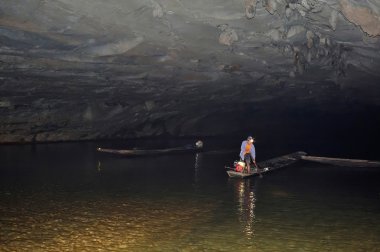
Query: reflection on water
{"points": [[69, 198], [244, 191], [64, 222], [197, 168]]}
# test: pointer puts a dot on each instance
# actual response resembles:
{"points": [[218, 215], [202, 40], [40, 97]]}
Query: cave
{"points": [[78, 77], [278, 69]]}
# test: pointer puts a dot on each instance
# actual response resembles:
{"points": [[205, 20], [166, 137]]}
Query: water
{"points": [[68, 197]]}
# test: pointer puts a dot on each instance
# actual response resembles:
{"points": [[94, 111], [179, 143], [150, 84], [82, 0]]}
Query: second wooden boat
{"points": [[141, 152], [343, 161]]}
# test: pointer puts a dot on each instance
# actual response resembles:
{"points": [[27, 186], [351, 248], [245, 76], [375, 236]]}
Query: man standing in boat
{"points": [[248, 152]]}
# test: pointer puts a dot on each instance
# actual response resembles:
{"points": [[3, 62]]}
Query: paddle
{"points": [[258, 169]]}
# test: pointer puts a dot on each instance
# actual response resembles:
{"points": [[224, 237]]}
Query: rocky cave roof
{"points": [[90, 69]]}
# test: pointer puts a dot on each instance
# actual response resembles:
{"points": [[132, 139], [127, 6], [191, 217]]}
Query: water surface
{"points": [[68, 197]]}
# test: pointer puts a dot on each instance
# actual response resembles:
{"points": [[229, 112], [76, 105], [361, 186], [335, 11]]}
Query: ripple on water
{"points": [[130, 224]]}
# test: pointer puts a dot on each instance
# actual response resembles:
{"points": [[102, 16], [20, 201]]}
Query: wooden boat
{"points": [[145, 152], [343, 161], [269, 165]]}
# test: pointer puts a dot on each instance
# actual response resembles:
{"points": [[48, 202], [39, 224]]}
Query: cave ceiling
{"points": [[87, 69]]}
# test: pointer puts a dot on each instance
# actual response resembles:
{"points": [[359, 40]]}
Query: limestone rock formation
{"points": [[250, 8], [368, 19], [91, 69]]}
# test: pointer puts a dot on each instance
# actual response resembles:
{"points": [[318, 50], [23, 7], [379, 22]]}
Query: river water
{"points": [[68, 197]]}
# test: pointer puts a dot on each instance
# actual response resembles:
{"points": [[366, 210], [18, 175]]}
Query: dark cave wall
{"points": [[86, 70]]}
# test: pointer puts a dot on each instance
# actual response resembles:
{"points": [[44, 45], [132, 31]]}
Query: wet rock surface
{"points": [[77, 70]]}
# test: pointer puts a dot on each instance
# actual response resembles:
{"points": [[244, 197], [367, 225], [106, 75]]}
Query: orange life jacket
{"points": [[248, 148]]}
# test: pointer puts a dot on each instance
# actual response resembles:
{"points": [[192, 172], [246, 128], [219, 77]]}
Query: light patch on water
{"points": [[82, 225]]}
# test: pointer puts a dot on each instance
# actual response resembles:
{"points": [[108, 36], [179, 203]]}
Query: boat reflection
{"points": [[246, 204], [197, 168]]}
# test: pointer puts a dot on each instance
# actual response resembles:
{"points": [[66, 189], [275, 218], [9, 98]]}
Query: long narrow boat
{"points": [[269, 165], [343, 161], [141, 152]]}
